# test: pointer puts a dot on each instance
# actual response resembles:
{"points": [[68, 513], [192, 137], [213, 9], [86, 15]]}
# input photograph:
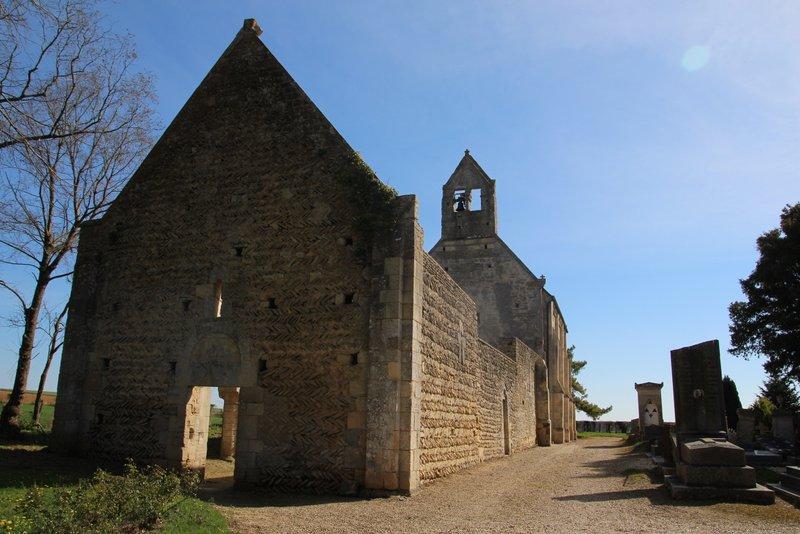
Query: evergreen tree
{"points": [[781, 394], [768, 322], [579, 394], [732, 402]]}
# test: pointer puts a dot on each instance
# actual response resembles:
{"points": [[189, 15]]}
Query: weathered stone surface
{"points": [[709, 451], [697, 391], [760, 457], [789, 486], [757, 495], [745, 427], [783, 426], [723, 476], [648, 397]]}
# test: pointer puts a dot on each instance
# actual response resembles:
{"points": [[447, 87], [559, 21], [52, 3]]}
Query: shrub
{"points": [[137, 500], [763, 409]]}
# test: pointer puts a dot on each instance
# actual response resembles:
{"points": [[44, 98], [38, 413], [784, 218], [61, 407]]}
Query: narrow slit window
{"points": [[354, 359], [239, 251], [173, 366], [262, 365], [218, 298], [106, 363], [186, 304], [271, 303]]}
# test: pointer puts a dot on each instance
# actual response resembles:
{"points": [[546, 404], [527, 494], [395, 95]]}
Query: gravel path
{"points": [[595, 485]]}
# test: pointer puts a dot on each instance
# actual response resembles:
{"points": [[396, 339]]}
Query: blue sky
{"points": [[639, 147]]}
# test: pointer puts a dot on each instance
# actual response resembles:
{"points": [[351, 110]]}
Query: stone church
{"points": [[253, 251]]}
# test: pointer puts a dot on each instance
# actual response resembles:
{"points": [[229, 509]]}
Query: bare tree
{"points": [[47, 47], [57, 181], [54, 330]]}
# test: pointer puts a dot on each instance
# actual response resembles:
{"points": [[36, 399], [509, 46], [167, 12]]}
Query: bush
{"points": [[137, 500], [763, 409]]}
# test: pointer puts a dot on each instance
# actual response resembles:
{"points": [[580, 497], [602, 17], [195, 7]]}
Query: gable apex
{"points": [[248, 126], [468, 173]]}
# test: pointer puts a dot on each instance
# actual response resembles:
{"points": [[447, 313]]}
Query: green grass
{"points": [[194, 515], [25, 465], [585, 435], [215, 424], [45, 418]]}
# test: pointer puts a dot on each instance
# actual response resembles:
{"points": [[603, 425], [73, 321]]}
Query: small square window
{"points": [[173, 366], [349, 298], [186, 304], [100, 418], [271, 303], [238, 250], [262, 365], [354, 359]]}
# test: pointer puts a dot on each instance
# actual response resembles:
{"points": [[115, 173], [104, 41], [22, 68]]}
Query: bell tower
{"points": [[469, 206]]}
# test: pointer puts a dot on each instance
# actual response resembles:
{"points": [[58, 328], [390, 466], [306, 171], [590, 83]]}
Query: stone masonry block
{"points": [[709, 451]]}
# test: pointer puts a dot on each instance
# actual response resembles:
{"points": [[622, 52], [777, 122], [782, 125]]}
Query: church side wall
{"points": [[464, 382], [449, 429], [509, 299], [509, 377]]}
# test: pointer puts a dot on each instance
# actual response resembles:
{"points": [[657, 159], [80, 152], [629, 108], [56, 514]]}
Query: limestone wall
{"points": [[464, 382], [509, 297], [506, 376], [449, 437]]}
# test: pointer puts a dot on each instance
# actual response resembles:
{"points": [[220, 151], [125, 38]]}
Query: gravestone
{"points": [[783, 426], [697, 389], [650, 411], [707, 465], [746, 427]]}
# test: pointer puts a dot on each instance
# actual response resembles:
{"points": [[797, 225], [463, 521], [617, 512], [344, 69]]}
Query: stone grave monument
{"points": [[746, 427], [789, 486], [783, 426], [650, 412], [707, 465]]}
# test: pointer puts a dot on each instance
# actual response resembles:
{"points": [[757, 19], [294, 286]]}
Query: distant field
{"points": [[48, 397]]}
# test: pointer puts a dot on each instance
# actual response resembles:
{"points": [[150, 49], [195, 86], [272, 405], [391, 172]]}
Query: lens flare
{"points": [[696, 58]]}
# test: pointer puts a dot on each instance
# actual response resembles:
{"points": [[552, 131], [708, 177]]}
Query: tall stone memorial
{"points": [[650, 411], [708, 466]]}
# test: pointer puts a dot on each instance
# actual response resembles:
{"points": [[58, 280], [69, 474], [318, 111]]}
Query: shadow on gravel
{"points": [[246, 499], [655, 495]]}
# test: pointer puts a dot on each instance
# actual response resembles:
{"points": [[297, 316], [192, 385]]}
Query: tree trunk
{"points": [[37, 404], [9, 419], [52, 348]]}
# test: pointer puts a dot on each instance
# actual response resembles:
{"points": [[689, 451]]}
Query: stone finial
{"points": [[252, 25], [466, 152]]}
